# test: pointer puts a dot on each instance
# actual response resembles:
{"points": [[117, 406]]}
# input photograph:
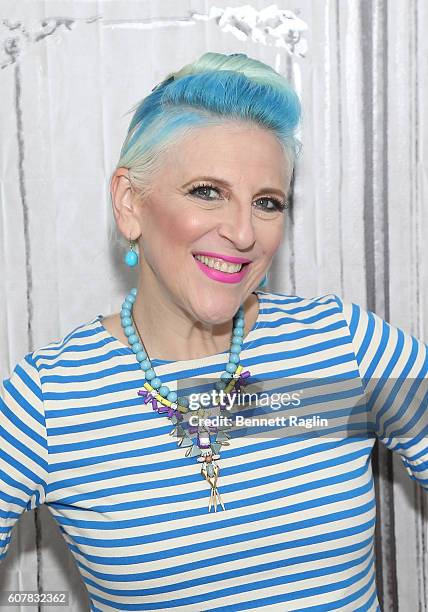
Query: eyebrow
{"points": [[215, 179]]}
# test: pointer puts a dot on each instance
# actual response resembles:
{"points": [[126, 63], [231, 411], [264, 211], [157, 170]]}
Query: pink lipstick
{"points": [[223, 277]]}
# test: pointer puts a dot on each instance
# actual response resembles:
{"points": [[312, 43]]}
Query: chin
{"points": [[216, 310]]}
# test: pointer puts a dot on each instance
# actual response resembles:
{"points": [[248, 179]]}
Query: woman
{"points": [[227, 516]]}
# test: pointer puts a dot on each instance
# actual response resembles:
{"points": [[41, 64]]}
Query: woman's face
{"points": [[234, 213]]}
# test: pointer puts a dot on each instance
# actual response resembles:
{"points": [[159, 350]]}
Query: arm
{"points": [[23, 447], [394, 368]]}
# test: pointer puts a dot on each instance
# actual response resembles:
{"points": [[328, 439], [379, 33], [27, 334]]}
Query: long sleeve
{"points": [[23, 447], [394, 368]]}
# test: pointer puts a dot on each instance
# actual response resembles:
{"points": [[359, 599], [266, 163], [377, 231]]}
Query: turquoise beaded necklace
{"points": [[165, 401]]}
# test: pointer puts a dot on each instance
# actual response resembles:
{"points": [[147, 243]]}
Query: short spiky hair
{"points": [[213, 89]]}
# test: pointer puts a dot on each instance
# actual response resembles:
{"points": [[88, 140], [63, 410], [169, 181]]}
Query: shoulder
{"points": [[301, 307], [79, 343], [358, 322]]}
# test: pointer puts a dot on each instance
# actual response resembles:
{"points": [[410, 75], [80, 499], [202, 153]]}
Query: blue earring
{"points": [[131, 257], [263, 282]]}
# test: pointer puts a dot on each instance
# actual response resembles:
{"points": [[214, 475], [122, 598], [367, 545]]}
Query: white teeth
{"points": [[219, 264]]}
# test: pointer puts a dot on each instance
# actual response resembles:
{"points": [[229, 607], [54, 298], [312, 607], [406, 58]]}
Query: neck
{"points": [[169, 334]]}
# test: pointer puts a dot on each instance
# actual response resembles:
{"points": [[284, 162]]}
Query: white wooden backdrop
{"points": [[69, 71]]}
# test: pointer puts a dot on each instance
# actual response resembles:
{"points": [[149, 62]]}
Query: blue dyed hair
{"points": [[214, 89]]}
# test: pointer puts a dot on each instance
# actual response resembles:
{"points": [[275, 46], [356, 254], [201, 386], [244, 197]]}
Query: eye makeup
{"points": [[278, 205]]}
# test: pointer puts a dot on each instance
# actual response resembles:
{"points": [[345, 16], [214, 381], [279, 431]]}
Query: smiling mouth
{"points": [[220, 264]]}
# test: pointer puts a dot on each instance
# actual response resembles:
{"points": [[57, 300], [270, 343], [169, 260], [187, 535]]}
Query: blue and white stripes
{"points": [[297, 533]]}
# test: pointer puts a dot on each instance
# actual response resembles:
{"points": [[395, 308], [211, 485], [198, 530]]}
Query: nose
{"points": [[237, 225]]}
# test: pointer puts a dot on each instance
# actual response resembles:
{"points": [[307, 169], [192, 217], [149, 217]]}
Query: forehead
{"points": [[236, 150]]}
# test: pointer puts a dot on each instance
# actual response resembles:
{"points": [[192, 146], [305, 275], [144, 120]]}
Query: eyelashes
{"points": [[278, 204]]}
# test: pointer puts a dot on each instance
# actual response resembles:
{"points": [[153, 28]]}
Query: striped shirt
{"points": [[298, 529]]}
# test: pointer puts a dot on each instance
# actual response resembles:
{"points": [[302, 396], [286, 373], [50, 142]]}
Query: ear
{"points": [[124, 203]]}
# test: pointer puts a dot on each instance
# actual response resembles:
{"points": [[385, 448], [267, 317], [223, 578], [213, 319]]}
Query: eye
{"points": [[276, 205], [205, 187]]}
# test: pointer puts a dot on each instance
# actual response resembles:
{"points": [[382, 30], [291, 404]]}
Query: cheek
{"points": [[270, 237], [184, 227], [187, 226]]}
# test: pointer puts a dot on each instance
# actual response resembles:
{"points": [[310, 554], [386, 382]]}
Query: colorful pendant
{"points": [[211, 472], [206, 451]]}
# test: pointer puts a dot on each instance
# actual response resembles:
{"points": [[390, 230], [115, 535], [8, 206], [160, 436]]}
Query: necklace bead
{"points": [[164, 391]]}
